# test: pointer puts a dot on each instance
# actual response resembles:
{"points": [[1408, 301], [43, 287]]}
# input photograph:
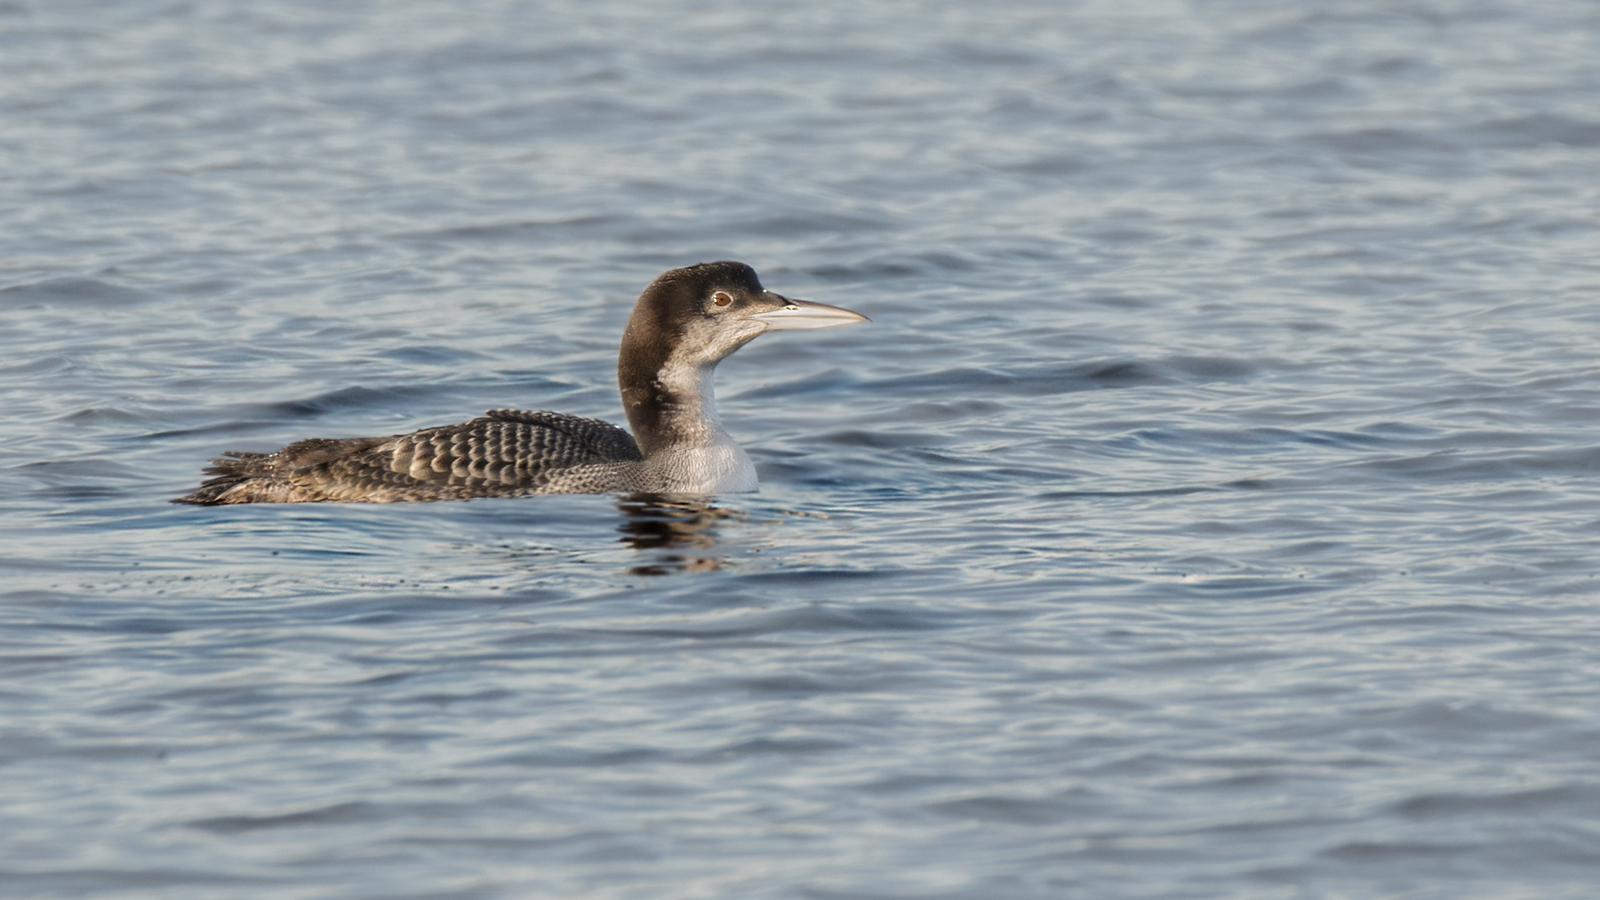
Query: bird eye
{"points": [[721, 299]]}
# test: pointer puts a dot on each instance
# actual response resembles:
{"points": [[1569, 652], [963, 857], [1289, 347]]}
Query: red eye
{"points": [[721, 299]]}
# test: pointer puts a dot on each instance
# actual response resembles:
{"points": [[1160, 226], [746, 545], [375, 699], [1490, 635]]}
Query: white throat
{"points": [[704, 458]]}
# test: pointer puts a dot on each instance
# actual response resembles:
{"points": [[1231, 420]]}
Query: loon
{"points": [[684, 323]]}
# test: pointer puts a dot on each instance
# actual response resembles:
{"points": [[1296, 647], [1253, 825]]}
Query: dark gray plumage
{"points": [[507, 453]]}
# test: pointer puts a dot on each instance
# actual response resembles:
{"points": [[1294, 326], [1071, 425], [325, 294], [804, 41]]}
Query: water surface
{"points": [[1209, 510]]}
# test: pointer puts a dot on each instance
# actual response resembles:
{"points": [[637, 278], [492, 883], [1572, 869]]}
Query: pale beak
{"points": [[796, 314]]}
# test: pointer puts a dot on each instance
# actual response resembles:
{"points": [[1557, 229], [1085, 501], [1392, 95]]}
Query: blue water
{"points": [[1210, 510]]}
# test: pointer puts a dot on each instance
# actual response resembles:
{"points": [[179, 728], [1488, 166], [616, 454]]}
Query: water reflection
{"points": [[681, 533]]}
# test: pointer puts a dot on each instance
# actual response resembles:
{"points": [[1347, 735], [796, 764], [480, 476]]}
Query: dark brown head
{"points": [[686, 322]]}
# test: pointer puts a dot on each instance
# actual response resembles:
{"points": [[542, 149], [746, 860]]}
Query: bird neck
{"points": [[671, 404]]}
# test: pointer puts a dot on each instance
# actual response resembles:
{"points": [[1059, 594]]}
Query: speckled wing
{"points": [[506, 453]]}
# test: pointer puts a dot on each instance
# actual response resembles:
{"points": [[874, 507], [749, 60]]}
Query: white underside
{"points": [[717, 468]]}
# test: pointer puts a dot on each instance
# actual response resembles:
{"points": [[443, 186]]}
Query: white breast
{"points": [[716, 468]]}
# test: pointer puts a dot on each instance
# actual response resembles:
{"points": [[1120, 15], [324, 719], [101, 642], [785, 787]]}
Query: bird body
{"points": [[684, 323]]}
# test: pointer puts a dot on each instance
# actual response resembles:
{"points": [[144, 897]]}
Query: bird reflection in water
{"points": [[682, 533]]}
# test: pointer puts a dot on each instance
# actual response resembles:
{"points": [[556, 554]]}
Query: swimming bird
{"points": [[684, 323]]}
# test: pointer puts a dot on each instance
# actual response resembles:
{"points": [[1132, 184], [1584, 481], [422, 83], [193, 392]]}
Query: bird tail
{"points": [[229, 471]]}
